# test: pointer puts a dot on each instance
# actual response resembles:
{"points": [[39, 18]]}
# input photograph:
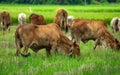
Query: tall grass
{"points": [[102, 61]]}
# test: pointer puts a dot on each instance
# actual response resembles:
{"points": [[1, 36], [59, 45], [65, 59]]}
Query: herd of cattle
{"points": [[38, 34]]}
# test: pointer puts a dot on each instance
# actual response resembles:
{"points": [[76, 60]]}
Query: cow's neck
{"points": [[65, 43], [110, 39]]}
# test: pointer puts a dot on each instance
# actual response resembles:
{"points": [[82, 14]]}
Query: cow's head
{"points": [[74, 50], [26, 55]]}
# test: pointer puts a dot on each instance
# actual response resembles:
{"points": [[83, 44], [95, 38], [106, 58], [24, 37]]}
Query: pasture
{"points": [[102, 61]]}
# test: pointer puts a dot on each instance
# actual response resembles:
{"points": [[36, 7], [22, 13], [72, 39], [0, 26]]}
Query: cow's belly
{"points": [[36, 47], [86, 38], [40, 44]]}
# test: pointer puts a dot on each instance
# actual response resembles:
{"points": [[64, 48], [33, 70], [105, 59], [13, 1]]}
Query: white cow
{"points": [[22, 18], [115, 24]]}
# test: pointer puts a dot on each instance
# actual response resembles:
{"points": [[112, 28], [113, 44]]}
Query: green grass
{"points": [[99, 62], [98, 12]]}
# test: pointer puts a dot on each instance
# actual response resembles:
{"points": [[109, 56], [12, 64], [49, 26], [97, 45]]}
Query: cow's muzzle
{"points": [[25, 55]]}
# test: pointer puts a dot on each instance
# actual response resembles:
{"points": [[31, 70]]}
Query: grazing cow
{"points": [[108, 40], [5, 20], [22, 18], [61, 19], [115, 24], [37, 37], [37, 19], [86, 30]]}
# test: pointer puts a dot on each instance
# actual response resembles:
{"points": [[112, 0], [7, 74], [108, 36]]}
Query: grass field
{"points": [[103, 61]]}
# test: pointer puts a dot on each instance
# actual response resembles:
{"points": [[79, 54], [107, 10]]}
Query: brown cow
{"points": [[86, 30], [38, 37], [107, 39], [61, 19], [37, 19], [5, 20]]}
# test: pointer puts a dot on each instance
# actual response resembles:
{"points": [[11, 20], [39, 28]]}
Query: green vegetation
{"points": [[60, 2], [103, 61], [98, 12]]}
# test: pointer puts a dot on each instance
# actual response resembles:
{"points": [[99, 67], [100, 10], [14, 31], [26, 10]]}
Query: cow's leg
{"points": [[18, 46], [77, 39], [3, 26], [54, 47], [8, 27], [48, 52], [26, 45], [25, 52], [97, 42]]}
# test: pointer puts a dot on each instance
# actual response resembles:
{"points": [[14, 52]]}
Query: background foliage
{"points": [[65, 2], [97, 12]]}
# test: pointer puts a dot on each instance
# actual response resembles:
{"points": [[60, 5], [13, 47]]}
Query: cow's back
{"points": [[86, 29], [45, 31], [93, 25], [37, 19]]}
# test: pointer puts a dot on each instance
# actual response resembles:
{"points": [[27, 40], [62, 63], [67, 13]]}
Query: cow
{"points": [[115, 24], [5, 20], [37, 37], [61, 19], [85, 30], [22, 18], [37, 19], [108, 40]]}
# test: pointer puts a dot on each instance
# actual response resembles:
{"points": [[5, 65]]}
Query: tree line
{"points": [[59, 2]]}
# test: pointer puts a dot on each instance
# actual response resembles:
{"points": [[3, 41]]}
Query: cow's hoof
{"points": [[25, 55]]}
